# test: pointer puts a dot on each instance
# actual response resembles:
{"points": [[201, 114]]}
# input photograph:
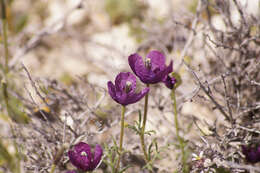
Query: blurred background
{"points": [[63, 52]]}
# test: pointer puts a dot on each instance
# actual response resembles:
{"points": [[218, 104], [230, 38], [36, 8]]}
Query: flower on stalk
{"points": [[172, 80], [152, 70], [169, 81], [123, 92], [252, 153], [82, 157]]}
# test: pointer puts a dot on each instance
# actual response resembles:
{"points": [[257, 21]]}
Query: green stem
{"points": [[173, 97], [143, 126], [121, 136], [53, 166], [5, 36]]}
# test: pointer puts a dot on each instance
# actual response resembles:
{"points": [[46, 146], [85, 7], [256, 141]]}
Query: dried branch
{"points": [[219, 107]]}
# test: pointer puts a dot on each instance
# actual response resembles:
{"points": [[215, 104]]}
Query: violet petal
{"points": [[97, 156], [157, 59], [137, 96], [124, 77], [136, 63]]}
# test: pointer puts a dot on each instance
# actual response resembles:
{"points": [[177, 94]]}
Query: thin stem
{"points": [[143, 126], [173, 97], [53, 166], [121, 136], [4, 28], [5, 36], [175, 112], [6, 98]]}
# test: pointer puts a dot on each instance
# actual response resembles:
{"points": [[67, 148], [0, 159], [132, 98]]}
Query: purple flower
{"points": [[82, 157], [252, 153], [123, 92], [169, 81], [152, 70]]}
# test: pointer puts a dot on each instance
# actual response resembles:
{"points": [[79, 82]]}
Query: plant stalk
{"points": [[6, 54], [121, 136], [143, 126], [173, 98], [5, 36]]}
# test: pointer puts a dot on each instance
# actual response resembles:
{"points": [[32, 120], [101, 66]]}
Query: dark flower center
{"points": [[128, 86], [83, 153], [147, 63]]}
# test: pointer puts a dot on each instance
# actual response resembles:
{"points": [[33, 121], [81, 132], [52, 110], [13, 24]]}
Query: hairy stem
{"points": [[143, 126], [121, 136]]}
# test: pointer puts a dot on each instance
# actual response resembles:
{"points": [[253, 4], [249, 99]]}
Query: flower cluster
{"points": [[150, 71]]}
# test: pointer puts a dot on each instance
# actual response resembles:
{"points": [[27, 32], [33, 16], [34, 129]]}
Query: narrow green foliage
{"points": [[150, 132], [14, 106], [137, 127], [11, 161], [154, 153], [150, 148], [124, 169], [112, 156]]}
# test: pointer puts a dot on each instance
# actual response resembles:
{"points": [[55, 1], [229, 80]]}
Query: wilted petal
{"points": [[97, 156]]}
